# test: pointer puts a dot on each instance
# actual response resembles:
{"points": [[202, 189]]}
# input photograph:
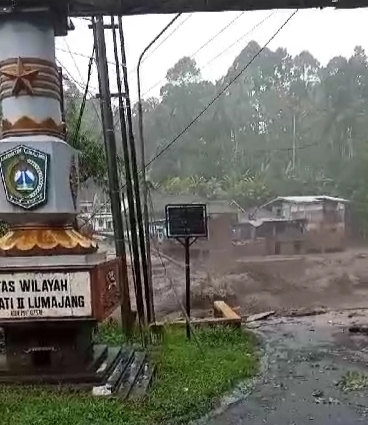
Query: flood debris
{"points": [[319, 398], [305, 312], [253, 325], [259, 316], [361, 329]]}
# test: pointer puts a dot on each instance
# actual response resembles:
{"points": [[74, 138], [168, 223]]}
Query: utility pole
{"points": [[294, 142], [128, 179], [111, 156], [143, 239], [142, 148]]}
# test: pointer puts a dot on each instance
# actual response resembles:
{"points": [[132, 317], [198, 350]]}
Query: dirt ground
{"points": [[282, 283]]}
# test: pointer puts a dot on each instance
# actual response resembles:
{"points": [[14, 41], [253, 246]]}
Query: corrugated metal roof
{"points": [[307, 199]]}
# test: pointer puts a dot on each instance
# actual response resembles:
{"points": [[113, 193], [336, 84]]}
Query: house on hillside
{"points": [[97, 212], [260, 232], [324, 217]]}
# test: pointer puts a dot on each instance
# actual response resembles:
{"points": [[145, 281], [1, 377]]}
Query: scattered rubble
{"points": [[260, 316]]}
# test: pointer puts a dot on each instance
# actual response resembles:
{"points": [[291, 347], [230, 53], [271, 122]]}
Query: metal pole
{"points": [[294, 142], [187, 283], [145, 256], [110, 146], [129, 186], [143, 160], [145, 193]]}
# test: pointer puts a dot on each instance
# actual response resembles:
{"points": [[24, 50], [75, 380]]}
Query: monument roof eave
{"points": [[79, 8]]}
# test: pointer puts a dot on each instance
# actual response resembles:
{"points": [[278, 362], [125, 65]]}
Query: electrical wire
{"points": [[221, 92], [226, 87], [110, 62], [240, 38], [223, 29], [82, 55], [70, 76], [84, 100], [166, 38], [80, 74], [83, 87], [222, 52], [81, 112]]}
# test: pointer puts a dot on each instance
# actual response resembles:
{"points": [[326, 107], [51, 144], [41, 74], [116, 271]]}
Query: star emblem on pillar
{"points": [[22, 78]]}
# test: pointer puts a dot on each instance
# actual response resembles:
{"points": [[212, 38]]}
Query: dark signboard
{"points": [[186, 220]]}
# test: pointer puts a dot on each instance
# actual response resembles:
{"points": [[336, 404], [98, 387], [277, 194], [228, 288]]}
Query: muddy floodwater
{"points": [[315, 372]]}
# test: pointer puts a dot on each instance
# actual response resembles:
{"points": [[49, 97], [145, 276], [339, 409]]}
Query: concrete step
{"points": [[117, 374], [143, 381], [131, 375]]}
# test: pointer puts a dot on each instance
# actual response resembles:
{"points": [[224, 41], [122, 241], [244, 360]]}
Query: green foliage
{"points": [[187, 385], [87, 141], [3, 228], [353, 381], [245, 189], [287, 126]]}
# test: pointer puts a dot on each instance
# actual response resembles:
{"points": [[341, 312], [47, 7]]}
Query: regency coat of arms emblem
{"points": [[24, 175]]}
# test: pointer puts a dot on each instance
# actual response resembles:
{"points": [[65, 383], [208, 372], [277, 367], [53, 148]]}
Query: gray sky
{"points": [[325, 34]]}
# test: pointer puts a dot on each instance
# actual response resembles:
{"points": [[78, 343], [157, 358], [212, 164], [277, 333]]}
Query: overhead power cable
{"points": [[83, 87], [167, 37], [82, 55], [81, 84], [223, 29], [78, 69], [70, 76], [226, 87], [240, 38], [222, 52], [110, 62], [133, 71], [72, 54], [221, 92], [84, 100]]}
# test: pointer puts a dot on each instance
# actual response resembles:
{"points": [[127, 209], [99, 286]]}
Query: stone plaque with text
{"points": [[39, 295]]}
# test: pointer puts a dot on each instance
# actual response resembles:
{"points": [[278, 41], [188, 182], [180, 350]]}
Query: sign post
{"points": [[186, 223]]}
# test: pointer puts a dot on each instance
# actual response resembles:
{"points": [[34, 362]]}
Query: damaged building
{"points": [[297, 224]]}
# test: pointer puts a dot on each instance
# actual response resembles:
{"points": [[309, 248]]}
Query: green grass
{"points": [[187, 385]]}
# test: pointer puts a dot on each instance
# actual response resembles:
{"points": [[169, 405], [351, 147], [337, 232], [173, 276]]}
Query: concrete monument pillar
{"points": [[39, 194], [54, 287]]}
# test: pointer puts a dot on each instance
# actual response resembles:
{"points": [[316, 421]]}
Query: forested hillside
{"points": [[287, 126]]}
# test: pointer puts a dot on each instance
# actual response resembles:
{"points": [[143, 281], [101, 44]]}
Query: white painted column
{"points": [[30, 40]]}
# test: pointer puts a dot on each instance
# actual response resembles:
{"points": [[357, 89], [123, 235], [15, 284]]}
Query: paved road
{"points": [[305, 361]]}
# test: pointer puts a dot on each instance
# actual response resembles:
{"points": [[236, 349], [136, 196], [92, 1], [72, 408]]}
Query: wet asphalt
{"points": [[303, 363]]}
